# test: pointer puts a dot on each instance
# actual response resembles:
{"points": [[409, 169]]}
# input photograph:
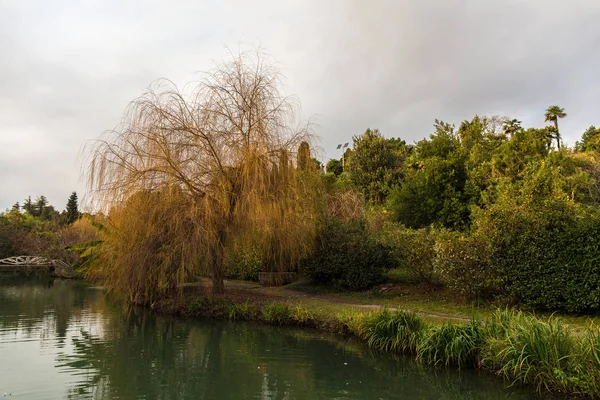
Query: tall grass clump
{"points": [[588, 365], [302, 316], [237, 311], [529, 350], [393, 331], [277, 314], [451, 345]]}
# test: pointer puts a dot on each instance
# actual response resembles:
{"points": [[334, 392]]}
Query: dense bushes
{"points": [[346, 255], [414, 249], [550, 265], [539, 261], [491, 208], [464, 264]]}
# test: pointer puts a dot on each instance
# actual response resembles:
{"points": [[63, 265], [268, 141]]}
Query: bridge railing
{"points": [[27, 263]]}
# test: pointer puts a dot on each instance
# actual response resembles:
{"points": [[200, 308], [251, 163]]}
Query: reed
{"points": [[393, 331], [526, 349], [240, 311], [277, 314], [588, 365], [303, 316], [451, 345]]}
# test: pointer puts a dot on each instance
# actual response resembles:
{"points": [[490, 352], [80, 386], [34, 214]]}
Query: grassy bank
{"points": [[522, 349]]}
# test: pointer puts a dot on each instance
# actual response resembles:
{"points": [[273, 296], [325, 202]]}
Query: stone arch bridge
{"points": [[29, 264]]}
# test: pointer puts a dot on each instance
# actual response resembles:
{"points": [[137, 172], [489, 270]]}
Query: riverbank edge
{"points": [[519, 348]]}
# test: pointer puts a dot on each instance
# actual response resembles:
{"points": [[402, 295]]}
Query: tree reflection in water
{"points": [[112, 354]]}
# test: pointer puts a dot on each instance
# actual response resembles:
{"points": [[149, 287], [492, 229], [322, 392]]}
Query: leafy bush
{"points": [[464, 265], [414, 249], [533, 244], [347, 256], [549, 253], [244, 264]]}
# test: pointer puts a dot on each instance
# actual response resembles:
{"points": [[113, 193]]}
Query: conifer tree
{"points": [[72, 208]]}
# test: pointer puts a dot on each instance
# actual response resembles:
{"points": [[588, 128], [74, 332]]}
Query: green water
{"points": [[61, 339]]}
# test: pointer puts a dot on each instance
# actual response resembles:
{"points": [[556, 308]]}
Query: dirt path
{"points": [[287, 293]]}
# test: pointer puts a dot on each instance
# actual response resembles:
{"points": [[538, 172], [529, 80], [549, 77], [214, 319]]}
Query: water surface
{"points": [[63, 339]]}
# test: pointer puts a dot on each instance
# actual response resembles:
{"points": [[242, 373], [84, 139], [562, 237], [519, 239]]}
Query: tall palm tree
{"points": [[511, 126], [553, 113]]}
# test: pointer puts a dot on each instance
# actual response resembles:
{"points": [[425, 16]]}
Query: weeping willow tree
{"points": [[187, 175]]}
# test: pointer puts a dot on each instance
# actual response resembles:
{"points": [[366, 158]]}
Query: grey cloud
{"points": [[69, 68]]}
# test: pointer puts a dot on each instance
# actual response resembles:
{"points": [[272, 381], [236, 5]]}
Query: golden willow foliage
{"points": [[185, 178]]}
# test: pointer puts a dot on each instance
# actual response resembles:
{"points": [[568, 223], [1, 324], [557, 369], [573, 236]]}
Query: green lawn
{"points": [[434, 303]]}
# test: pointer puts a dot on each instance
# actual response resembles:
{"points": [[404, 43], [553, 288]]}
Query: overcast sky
{"points": [[69, 68]]}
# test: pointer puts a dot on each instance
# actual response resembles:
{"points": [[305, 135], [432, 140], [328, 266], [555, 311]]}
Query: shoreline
{"points": [[462, 345]]}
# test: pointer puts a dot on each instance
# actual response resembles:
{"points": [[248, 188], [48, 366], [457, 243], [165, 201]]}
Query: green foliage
{"points": [[302, 316], [346, 255], [531, 240], [239, 311], [518, 346], [335, 167], [511, 126], [8, 234], [414, 249], [553, 113], [512, 156], [590, 140], [393, 331], [28, 206], [434, 187], [244, 263], [542, 250], [452, 345], [374, 164], [587, 366]]}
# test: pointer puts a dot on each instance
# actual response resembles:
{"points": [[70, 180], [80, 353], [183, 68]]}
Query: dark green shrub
{"points": [[549, 256], [557, 270], [346, 255]]}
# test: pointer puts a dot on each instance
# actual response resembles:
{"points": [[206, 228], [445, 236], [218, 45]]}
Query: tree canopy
{"points": [[216, 163]]}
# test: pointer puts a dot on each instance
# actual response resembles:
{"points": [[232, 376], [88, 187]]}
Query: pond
{"points": [[64, 339]]}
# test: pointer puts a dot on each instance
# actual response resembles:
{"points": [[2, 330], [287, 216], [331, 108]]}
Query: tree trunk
{"points": [[557, 134], [218, 257]]}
